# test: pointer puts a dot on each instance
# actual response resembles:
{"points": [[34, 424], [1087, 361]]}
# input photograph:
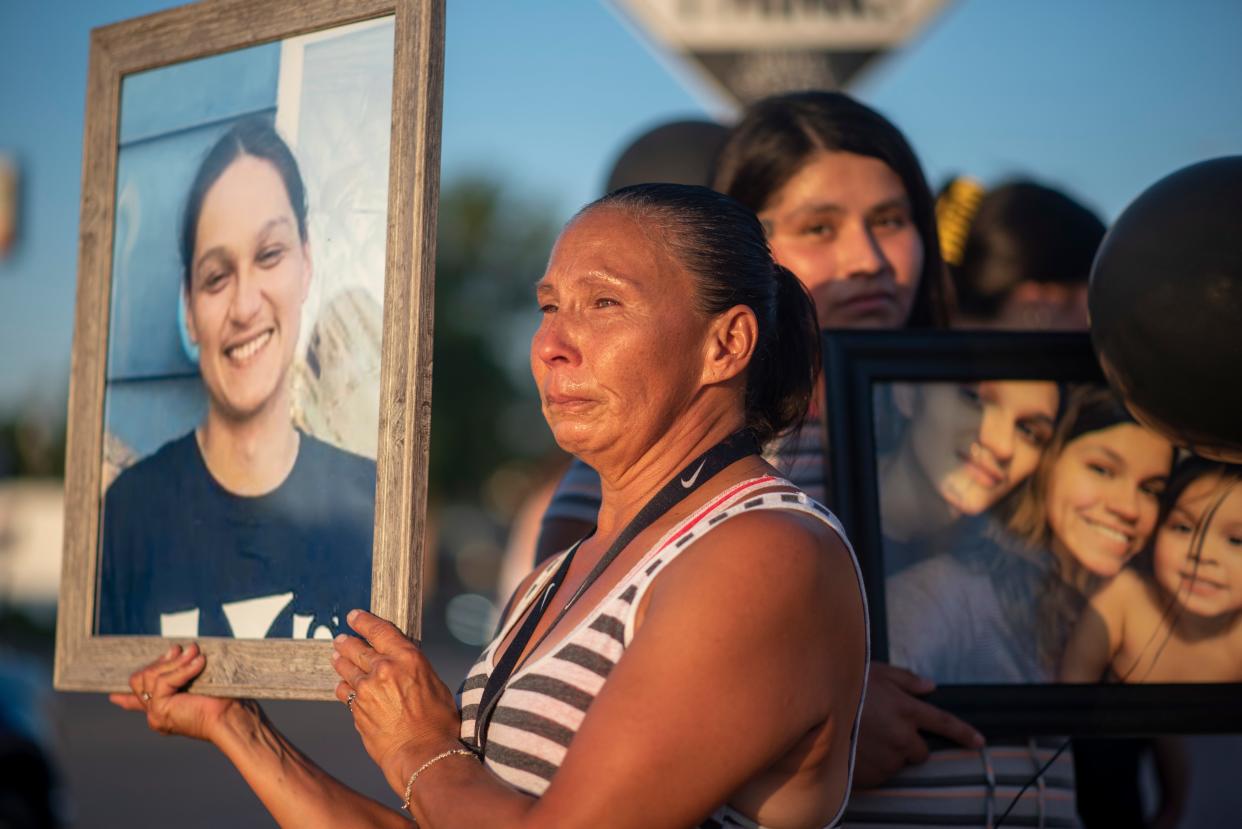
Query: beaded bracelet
{"points": [[409, 787]]}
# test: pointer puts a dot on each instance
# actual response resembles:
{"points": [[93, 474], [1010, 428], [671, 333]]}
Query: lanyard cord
{"points": [[739, 445]]}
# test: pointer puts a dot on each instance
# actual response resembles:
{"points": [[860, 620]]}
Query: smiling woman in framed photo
{"points": [[245, 526]]}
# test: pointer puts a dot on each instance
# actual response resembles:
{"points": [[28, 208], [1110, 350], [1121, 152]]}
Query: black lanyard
{"points": [[739, 445]]}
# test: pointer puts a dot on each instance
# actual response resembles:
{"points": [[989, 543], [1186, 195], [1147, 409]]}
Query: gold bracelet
{"points": [[409, 787]]}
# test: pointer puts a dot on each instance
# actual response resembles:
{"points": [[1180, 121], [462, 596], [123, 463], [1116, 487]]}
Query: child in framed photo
{"points": [[1177, 615]]}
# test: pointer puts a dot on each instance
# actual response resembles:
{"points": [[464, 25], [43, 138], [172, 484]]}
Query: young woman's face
{"points": [[843, 225], [977, 441], [620, 349], [1212, 585], [248, 280], [1103, 492]]}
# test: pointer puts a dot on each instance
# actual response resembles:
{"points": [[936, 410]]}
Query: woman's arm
{"points": [[750, 640], [296, 791]]}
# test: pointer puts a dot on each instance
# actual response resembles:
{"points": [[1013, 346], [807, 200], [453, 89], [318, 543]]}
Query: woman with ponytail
{"points": [[700, 658], [846, 209]]}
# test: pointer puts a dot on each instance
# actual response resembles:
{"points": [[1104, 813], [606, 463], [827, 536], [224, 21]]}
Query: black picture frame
{"points": [[854, 362]]}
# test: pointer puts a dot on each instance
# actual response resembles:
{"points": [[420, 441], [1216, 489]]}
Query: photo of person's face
{"points": [[1102, 497], [249, 277], [976, 441], [1206, 579]]}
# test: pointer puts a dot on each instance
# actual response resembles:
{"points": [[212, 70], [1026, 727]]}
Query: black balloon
{"points": [[1166, 307], [680, 152]]}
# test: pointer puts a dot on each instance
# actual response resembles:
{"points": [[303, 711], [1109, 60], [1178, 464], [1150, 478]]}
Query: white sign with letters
{"points": [[752, 48]]}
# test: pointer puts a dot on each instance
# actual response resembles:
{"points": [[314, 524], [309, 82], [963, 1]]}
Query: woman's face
{"points": [[977, 441], [620, 350], [1213, 585], [248, 280], [1103, 492], [843, 225]]}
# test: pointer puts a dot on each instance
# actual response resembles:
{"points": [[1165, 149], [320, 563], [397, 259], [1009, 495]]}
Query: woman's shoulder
{"points": [[1125, 591], [777, 543], [763, 573]]}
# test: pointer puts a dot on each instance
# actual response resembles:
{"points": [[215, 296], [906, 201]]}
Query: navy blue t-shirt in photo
{"points": [[183, 557]]}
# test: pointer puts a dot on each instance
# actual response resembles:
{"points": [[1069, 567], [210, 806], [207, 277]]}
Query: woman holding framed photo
{"points": [[671, 348]]}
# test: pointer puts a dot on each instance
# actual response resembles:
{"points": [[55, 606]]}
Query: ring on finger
{"points": [[146, 697], [349, 701]]}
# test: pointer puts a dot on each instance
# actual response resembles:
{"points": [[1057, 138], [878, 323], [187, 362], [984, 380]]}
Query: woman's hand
{"points": [[404, 713], [893, 716], [157, 692]]}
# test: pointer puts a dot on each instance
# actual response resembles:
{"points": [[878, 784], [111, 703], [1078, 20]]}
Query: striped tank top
{"points": [[547, 698]]}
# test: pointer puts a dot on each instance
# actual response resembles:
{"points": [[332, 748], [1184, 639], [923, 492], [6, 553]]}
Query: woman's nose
{"points": [[247, 297], [555, 341], [1124, 500], [858, 252]]}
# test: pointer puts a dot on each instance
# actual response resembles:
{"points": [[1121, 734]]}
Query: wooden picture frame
{"points": [[856, 365], [269, 668]]}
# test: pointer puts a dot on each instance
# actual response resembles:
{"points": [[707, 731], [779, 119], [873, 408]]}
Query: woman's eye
{"points": [[970, 394], [1034, 435], [1180, 527], [1100, 469], [270, 256], [547, 308], [890, 221], [1152, 489], [819, 229], [214, 281], [605, 302], [1234, 540]]}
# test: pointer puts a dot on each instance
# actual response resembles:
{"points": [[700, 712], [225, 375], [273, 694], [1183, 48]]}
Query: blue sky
{"points": [[1100, 98]]}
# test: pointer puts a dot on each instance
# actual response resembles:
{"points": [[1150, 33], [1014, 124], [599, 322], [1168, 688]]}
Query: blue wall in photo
{"points": [[198, 92], [169, 118]]}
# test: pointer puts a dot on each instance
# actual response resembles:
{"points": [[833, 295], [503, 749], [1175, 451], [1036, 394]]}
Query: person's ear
{"points": [[190, 329], [731, 340]]}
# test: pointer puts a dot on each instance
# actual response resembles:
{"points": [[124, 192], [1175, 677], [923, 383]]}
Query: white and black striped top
{"points": [[546, 699]]}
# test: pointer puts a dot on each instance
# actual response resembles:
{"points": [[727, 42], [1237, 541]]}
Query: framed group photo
{"points": [[1051, 564], [250, 389]]}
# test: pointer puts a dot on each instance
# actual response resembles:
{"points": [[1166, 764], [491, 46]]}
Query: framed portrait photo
{"points": [[1052, 565], [251, 381]]}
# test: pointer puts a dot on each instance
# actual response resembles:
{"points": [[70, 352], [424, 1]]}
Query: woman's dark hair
{"points": [[253, 137], [1023, 232], [778, 136], [1184, 474], [722, 245]]}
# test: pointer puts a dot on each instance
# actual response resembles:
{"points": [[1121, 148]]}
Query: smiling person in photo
{"points": [[1001, 609], [245, 526], [1179, 619], [964, 447]]}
